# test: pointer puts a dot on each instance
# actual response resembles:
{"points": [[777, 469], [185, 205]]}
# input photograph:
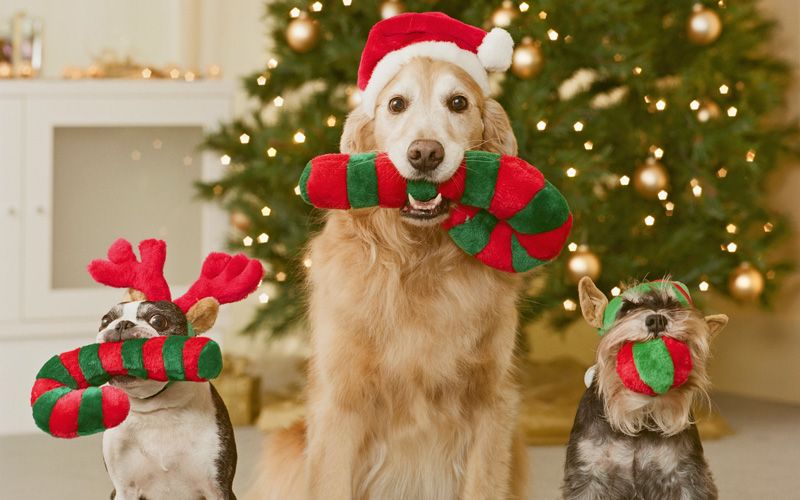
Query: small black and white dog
{"points": [[628, 445], [177, 442]]}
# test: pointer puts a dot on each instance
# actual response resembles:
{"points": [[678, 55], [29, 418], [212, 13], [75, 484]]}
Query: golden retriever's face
{"points": [[424, 119]]}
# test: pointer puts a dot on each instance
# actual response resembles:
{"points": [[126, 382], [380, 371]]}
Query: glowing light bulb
{"points": [[299, 137], [731, 228], [261, 80], [658, 153], [263, 238], [731, 247], [572, 172], [244, 139], [661, 104], [542, 15], [295, 12], [663, 195], [272, 63], [281, 276], [578, 126], [347, 3], [265, 211], [331, 121], [624, 180], [316, 6], [523, 7], [649, 220], [297, 190], [572, 246], [147, 73], [723, 89], [541, 125], [637, 70], [225, 159], [722, 172], [551, 33], [263, 298], [750, 156], [278, 101], [588, 145], [703, 286], [307, 262], [694, 105], [247, 241], [732, 111], [272, 152], [615, 291], [697, 191], [768, 227], [570, 305]]}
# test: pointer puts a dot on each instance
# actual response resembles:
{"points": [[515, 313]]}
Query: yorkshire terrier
{"points": [[634, 436]]}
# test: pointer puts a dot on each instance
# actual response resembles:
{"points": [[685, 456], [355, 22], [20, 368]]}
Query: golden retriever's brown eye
{"points": [[457, 103], [397, 105], [158, 322]]}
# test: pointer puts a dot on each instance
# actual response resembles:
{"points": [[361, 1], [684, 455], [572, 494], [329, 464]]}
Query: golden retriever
{"points": [[411, 391]]}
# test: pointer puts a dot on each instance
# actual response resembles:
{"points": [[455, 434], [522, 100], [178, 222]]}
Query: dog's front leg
{"points": [[334, 437], [488, 472]]}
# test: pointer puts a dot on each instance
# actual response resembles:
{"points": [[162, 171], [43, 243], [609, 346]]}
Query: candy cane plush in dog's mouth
{"points": [[505, 213]]}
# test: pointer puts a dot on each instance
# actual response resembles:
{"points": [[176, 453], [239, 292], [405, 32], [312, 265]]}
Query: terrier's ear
{"points": [[593, 302], [203, 314], [133, 295], [716, 322]]}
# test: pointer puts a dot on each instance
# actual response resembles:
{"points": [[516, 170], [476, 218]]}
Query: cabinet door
{"points": [[10, 210], [98, 169]]}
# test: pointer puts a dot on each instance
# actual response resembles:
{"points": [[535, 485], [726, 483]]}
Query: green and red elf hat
{"points": [[652, 367], [67, 399], [506, 215]]}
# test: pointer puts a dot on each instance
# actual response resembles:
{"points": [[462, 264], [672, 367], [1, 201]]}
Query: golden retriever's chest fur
{"points": [[414, 336]]}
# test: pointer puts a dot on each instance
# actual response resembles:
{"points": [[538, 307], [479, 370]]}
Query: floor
{"points": [[761, 461]]}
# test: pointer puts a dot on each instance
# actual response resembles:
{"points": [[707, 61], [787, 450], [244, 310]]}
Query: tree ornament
{"points": [[704, 25], [708, 110], [240, 221], [583, 262], [391, 8], [302, 33], [527, 60], [649, 178], [746, 282], [504, 14]]}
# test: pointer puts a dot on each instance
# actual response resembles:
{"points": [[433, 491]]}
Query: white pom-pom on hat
{"points": [[496, 50]]}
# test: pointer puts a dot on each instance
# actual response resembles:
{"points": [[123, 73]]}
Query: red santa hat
{"points": [[395, 41]]}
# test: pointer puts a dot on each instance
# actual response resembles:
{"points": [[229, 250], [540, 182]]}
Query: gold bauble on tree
{"points": [[649, 178], [240, 221], [708, 110], [391, 8], [527, 60], [583, 262], [504, 14], [746, 282], [302, 33], [704, 25]]}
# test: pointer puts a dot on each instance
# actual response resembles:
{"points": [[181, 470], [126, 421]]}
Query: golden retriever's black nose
{"points": [[656, 323], [425, 155]]}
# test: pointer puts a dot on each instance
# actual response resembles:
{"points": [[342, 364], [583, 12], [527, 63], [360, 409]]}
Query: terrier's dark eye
{"points": [[627, 306], [397, 104], [457, 103], [107, 319], [158, 322]]}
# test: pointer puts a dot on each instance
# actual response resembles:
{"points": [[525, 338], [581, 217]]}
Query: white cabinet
{"points": [[87, 162]]}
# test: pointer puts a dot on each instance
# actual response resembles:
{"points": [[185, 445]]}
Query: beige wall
{"points": [[758, 354]]}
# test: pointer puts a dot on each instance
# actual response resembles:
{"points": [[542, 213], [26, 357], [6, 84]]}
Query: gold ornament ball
{"points": [[240, 221], [583, 262], [650, 178], [391, 8], [704, 26], [527, 60], [709, 110], [302, 34], [504, 14], [746, 283]]}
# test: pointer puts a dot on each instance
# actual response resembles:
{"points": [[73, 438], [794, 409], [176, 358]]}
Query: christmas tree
{"points": [[654, 119]]}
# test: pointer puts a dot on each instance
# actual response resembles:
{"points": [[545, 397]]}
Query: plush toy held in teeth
{"points": [[506, 214]]}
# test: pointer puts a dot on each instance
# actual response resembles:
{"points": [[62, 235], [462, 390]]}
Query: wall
{"points": [[757, 354]]}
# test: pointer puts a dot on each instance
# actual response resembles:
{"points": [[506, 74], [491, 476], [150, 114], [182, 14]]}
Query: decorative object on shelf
{"points": [[302, 33], [503, 15], [21, 47], [704, 25], [746, 283], [650, 178], [527, 60], [583, 262], [240, 391], [108, 64], [390, 8]]}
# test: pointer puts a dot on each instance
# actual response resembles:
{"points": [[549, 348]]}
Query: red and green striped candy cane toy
{"points": [[67, 399], [506, 215]]}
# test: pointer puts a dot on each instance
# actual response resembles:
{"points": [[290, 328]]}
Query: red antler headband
{"points": [[223, 277]]}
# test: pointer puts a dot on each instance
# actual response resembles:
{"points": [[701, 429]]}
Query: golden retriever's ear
{"points": [[358, 135], [497, 130]]}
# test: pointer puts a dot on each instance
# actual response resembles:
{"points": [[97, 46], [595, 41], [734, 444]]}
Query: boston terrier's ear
{"points": [[203, 314], [593, 302]]}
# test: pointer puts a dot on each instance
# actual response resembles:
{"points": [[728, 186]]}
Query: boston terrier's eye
{"points": [[107, 319], [159, 322]]}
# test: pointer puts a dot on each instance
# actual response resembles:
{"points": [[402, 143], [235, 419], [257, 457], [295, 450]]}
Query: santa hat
{"points": [[395, 41]]}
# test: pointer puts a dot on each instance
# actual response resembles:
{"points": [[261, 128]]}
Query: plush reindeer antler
{"points": [[122, 270], [224, 278]]}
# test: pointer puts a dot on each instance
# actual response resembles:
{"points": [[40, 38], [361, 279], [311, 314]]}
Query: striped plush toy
{"points": [[68, 402], [506, 215]]}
